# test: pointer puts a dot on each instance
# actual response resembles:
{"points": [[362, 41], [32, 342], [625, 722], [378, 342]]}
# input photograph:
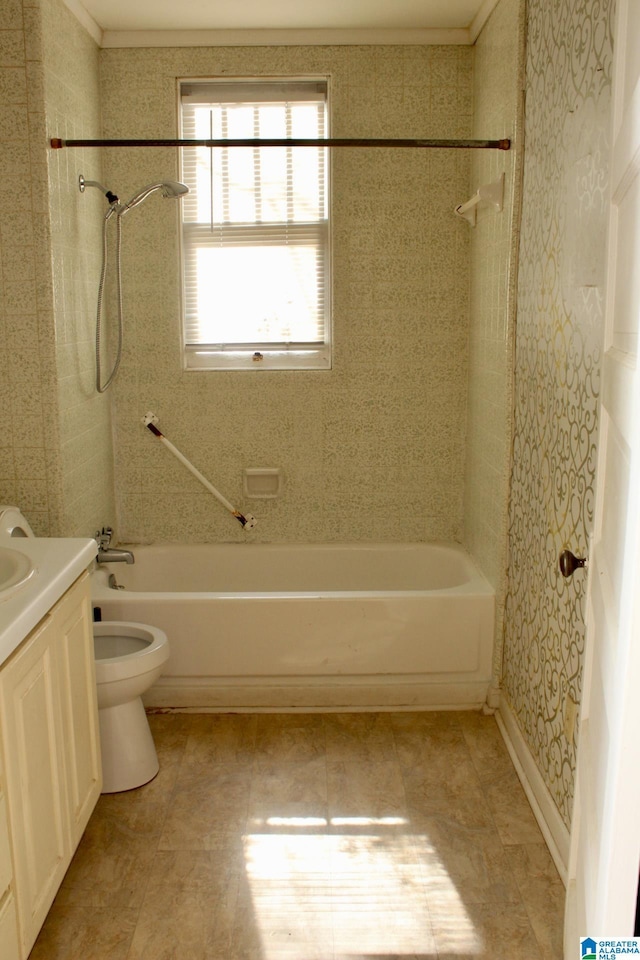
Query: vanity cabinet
{"points": [[50, 742], [8, 929], [73, 628], [8, 921]]}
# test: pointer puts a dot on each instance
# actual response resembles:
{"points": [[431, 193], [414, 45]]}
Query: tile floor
{"points": [[381, 836]]}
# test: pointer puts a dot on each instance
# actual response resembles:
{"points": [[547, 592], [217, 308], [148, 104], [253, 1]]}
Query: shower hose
{"points": [[100, 386]]}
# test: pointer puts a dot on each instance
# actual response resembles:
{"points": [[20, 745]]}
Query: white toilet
{"points": [[13, 524], [129, 658]]}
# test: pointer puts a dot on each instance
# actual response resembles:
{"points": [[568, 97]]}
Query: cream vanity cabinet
{"points": [[51, 753], [8, 921]]}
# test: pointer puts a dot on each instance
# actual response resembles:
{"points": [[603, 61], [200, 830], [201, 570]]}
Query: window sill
{"points": [[203, 359]]}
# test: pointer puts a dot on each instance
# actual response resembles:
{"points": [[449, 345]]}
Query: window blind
{"points": [[255, 226]]}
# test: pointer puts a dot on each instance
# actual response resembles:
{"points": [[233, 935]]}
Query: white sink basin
{"points": [[15, 569], [34, 574]]}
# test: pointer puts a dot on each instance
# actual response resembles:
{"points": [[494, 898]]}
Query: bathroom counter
{"points": [[58, 563]]}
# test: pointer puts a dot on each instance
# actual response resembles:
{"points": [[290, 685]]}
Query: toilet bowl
{"points": [[128, 657]]}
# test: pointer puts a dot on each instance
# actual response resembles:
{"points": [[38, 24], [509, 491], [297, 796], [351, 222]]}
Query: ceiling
{"points": [[282, 15]]}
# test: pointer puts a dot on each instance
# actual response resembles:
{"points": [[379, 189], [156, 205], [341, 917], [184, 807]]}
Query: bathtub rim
{"points": [[476, 585]]}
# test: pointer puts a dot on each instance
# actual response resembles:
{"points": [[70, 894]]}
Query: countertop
{"points": [[57, 562]]}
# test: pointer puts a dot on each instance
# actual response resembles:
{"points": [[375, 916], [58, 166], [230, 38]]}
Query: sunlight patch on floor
{"points": [[352, 887]]}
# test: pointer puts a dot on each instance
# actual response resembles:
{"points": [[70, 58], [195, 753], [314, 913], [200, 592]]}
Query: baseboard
{"points": [[285, 694], [554, 830]]}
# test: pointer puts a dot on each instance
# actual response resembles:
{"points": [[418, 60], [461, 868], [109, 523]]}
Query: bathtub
{"points": [[321, 626]]}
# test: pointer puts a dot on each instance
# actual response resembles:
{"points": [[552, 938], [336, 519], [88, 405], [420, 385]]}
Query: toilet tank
{"points": [[13, 524]]}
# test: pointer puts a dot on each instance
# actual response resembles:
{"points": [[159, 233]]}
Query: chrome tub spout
{"points": [[110, 555], [107, 553]]}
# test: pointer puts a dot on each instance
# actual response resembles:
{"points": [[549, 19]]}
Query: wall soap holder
{"points": [[262, 483], [491, 193]]}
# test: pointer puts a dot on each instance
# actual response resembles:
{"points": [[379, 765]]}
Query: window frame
{"points": [[262, 355]]}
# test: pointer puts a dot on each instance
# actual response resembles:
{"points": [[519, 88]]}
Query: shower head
{"points": [[173, 188], [169, 188]]}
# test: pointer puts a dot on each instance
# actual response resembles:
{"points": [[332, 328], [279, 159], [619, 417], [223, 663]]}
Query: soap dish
{"points": [[262, 483]]}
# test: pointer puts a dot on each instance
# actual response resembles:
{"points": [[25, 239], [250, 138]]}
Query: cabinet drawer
{"points": [[6, 868]]}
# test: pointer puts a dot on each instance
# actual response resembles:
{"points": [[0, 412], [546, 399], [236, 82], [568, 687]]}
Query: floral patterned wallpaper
{"points": [[557, 372]]}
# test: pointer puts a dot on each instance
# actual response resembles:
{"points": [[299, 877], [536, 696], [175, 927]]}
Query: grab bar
{"points": [[248, 521]]}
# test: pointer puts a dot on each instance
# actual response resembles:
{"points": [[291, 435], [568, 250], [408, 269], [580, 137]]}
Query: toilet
{"points": [[13, 524], [129, 657]]}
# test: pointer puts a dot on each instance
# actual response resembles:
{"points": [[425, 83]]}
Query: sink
{"points": [[15, 569]]}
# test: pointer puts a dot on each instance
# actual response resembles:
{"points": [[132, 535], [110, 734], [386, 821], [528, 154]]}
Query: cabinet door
{"points": [[78, 701], [6, 864], [8, 929], [32, 734], [8, 925]]}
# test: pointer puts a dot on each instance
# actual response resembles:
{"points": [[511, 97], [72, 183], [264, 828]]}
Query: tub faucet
{"points": [[107, 553]]}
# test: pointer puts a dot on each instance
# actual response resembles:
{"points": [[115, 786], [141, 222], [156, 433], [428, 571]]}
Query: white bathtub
{"points": [[279, 626]]}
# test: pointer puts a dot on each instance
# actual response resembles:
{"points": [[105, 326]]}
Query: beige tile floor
{"points": [[381, 836]]}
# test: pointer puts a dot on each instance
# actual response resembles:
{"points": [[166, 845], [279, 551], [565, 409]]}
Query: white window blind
{"points": [[255, 226]]}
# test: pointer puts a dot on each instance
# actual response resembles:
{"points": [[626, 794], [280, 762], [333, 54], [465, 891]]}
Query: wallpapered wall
{"points": [[373, 449], [558, 352]]}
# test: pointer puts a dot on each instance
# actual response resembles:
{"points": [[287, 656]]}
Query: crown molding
{"points": [[277, 38]]}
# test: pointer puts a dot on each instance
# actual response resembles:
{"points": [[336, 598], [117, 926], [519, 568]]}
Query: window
{"points": [[255, 226]]}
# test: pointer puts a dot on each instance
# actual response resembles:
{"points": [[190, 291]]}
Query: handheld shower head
{"points": [[173, 188], [169, 188]]}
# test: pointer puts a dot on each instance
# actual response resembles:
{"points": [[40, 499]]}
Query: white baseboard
{"points": [[553, 827]]}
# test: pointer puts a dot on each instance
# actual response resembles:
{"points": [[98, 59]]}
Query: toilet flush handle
{"points": [[569, 563]]}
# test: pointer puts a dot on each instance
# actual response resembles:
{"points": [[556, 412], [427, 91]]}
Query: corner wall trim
{"points": [[483, 14], [554, 830], [84, 17]]}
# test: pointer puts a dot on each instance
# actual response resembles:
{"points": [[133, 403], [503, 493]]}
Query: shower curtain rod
{"points": [[58, 144]]}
